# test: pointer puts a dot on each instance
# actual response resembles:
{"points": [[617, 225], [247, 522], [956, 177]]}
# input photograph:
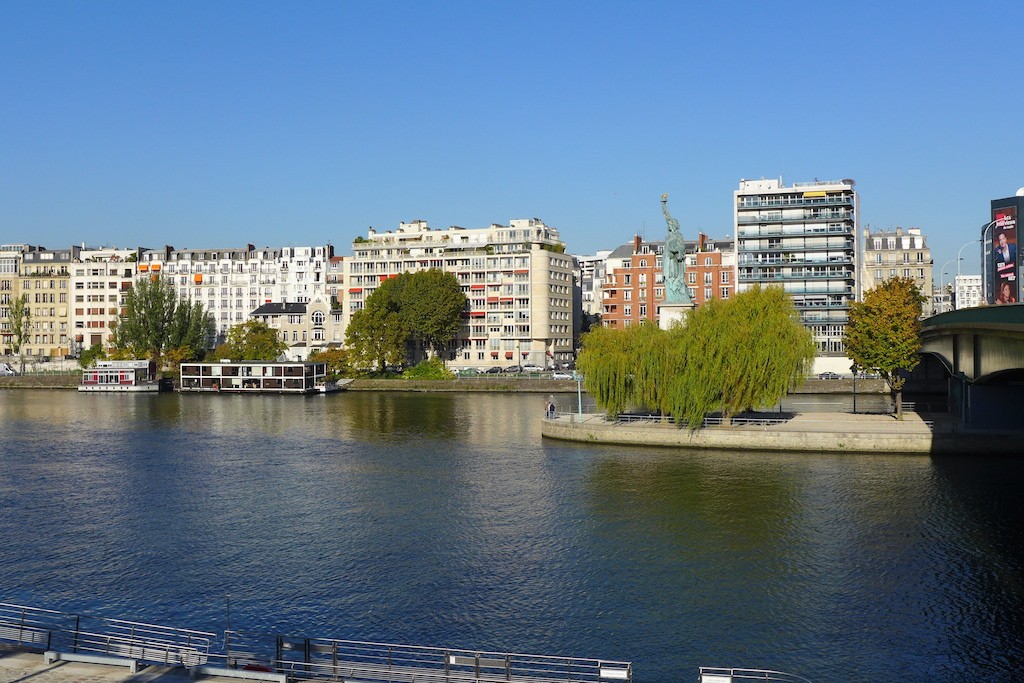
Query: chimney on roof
{"points": [[636, 244]]}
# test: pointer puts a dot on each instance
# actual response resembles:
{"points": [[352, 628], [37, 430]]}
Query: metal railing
{"points": [[316, 659], [714, 674], [42, 629]]}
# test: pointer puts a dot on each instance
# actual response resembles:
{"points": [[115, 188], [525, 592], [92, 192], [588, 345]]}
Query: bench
{"points": [[52, 656], [249, 674]]}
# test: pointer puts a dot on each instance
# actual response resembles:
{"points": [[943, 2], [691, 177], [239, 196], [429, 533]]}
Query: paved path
{"points": [[25, 667]]}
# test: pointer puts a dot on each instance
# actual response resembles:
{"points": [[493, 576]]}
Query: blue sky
{"points": [[223, 123]]}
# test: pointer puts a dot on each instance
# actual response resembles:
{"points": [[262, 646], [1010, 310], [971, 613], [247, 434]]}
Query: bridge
{"points": [[982, 350]]}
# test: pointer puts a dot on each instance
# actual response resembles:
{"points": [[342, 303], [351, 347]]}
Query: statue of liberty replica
{"points": [[678, 301]]}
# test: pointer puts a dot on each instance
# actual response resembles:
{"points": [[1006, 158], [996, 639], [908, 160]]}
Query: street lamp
{"points": [[942, 279], [961, 250], [853, 369]]}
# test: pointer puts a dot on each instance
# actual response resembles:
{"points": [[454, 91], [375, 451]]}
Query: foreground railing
{"points": [[714, 674], [42, 629], [279, 658], [316, 659]]}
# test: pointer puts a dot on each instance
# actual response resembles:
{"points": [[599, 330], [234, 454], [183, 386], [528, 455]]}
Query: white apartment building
{"points": [[967, 291], [589, 275], [803, 238], [898, 253], [232, 283], [517, 278], [100, 280]]}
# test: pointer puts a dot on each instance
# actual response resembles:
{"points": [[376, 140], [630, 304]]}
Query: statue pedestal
{"points": [[674, 314]]}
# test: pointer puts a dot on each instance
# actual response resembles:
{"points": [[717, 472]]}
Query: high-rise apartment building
{"points": [[232, 283], [517, 278], [804, 239], [898, 253]]}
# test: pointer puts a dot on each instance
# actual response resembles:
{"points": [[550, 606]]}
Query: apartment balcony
{"points": [[777, 202], [745, 219], [794, 231], [782, 277], [791, 249]]}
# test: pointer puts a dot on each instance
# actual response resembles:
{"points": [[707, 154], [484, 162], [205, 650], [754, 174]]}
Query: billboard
{"points": [[1005, 264]]}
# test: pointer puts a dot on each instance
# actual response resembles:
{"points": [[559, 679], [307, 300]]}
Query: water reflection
{"points": [[446, 520]]}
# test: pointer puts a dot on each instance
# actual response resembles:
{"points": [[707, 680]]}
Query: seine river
{"points": [[446, 520]]}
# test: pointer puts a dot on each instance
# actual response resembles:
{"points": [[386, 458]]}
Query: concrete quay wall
{"points": [[814, 433]]}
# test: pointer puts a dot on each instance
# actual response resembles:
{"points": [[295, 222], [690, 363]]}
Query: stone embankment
{"points": [[56, 381], [808, 432]]}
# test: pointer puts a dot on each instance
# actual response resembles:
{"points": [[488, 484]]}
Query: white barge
{"points": [[120, 376]]}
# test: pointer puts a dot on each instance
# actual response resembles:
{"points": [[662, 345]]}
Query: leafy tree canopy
{"points": [[20, 317], [418, 310], [338, 361], [92, 354], [884, 332], [730, 356], [252, 340], [154, 323]]}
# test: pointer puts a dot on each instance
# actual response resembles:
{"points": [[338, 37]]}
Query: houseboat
{"points": [[120, 375], [257, 377]]}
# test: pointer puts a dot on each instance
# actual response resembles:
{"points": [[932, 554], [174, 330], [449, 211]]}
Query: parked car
{"points": [[7, 370], [492, 370], [467, 372], [513, 369], [532, 368], [561, 375], [829, 375]]}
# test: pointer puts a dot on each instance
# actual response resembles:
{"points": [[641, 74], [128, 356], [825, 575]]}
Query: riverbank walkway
{"points": [[917, 433], [30, 667]]}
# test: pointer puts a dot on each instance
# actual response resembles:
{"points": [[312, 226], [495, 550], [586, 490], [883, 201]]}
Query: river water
{"points": [[445, 520]]}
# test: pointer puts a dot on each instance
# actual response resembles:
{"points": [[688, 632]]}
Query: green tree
{"points": [[751, 349], [190, 332], [252, 340], [338, 362], [377, 333], [884, 333], [92, 354], [145, 326], [730, 356], [20, 316], [431, 302]]}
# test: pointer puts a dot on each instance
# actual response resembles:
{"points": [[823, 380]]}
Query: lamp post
{"points": [[579, 393], [942, 280], [961, 251], [853, 369]]}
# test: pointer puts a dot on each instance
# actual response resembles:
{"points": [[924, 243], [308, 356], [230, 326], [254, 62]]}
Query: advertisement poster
{"points": [[1004, 254]]}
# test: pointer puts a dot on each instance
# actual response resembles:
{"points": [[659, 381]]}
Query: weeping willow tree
{"points": [[763, 350], [730, 356], [606, 362]]}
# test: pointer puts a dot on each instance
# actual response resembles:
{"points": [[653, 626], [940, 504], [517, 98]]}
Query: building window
{"points": [[318, 318]]}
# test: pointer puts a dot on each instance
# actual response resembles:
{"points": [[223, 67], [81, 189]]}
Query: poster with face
{"points": [[1004, 254]]}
